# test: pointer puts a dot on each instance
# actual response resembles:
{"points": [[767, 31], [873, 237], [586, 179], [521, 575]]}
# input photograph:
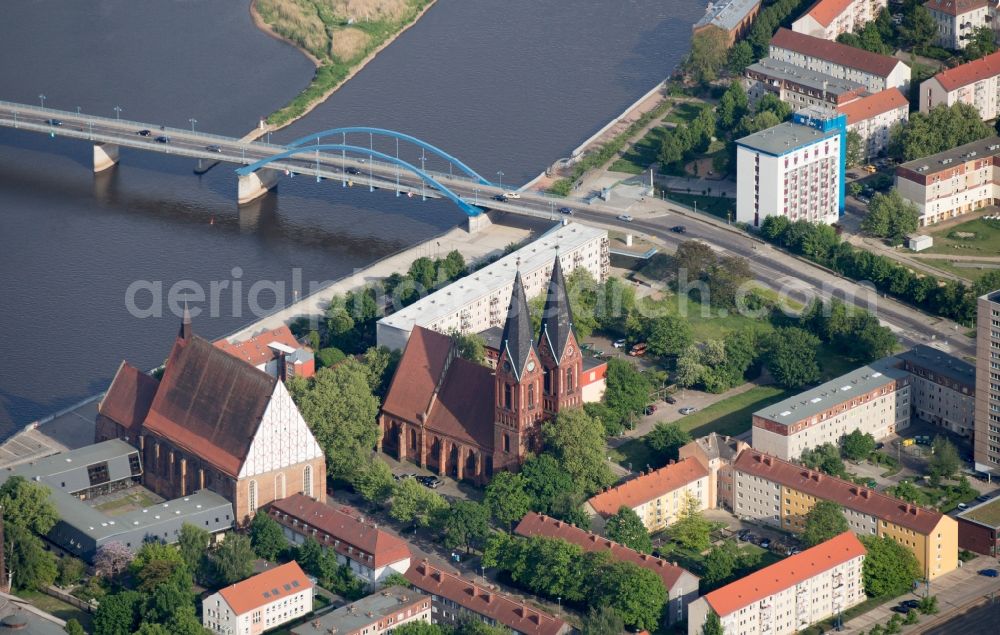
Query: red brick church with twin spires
{"points": [[466, 421]]}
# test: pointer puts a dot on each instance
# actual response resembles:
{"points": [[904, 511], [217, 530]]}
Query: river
{"points": [[505, 86]]}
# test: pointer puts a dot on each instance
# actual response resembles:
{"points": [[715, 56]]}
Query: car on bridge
{"points": [[500, 197], [352, 171], [54, 122], [143, 133], [624, 217], [566, 210], [213, 148], [163, 139], [512, 194]]}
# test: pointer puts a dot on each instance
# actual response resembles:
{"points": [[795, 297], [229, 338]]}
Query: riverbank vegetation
{"points": [[337, 34]]}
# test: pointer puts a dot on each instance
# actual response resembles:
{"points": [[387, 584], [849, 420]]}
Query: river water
{"points": [[505, 86]]}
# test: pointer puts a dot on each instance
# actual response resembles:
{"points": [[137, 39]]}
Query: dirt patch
{"points": [[367, 9], [702, 169], [349, 43]]}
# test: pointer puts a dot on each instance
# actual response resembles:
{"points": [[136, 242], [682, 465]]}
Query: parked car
{"points": [[870, 169], [983, 498], [899, 608], [989, 573], [765, 543], [650, 409], [638, 350], [687, 410], [745, 536], [910, 604], [670, 399], [962, 506], [619, 344], [432, 482]]}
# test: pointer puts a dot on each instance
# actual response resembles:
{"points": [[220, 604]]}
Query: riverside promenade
{"points": [[73, 427]]}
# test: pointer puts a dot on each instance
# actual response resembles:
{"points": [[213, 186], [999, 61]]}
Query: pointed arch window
{"points": [[531, 395], [508, 396], [547, 382], [569, 380]]}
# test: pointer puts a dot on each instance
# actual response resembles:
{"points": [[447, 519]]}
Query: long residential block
{"points": [[829, 18], [942, 388], [779, 493], [789, 595], [957, 20], [986, 440], [877, 72], [874, 116], [974, 83]]}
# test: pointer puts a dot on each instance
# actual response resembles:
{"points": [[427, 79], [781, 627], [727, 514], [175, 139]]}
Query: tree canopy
{"points": [[507, 498], [942, 128], [824, 521], [576, 440], [267, 537], [891, 217], [415, 504], [791, 357], [691, 529], [857, 445], [626, 528], [890, 569]]}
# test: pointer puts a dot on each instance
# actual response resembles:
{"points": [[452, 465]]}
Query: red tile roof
{"points": [[648, 486], [841, 54], [484, 601], [464, 407], [128, 398], [210, 404], [826, 11], [423, 362], [535, 524], [844, 493], [956, 7], [255, 350], [873, 105], [969, 73], [264, 588], [378, 547], [785, 573]]}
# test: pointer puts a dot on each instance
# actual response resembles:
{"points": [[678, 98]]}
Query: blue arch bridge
{"points": [[333, 155]]}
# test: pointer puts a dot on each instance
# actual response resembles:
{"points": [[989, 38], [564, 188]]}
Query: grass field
{"points": [[985, 243], [57, 607], [136, 499], [969, 273], [706, 322], [642, 154], [712, 205], [684, 113]]}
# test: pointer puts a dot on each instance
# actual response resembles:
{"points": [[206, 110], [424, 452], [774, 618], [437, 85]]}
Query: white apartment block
{"points": [[874, 399], [800, 88], [954, 182], [956, 20], [829, 18], [259, 603], [975, 83], [986, 441], [876, 72], [873, 117], [789, 170], [789, 595], [479, 301], [942, 388], [657, 496]]}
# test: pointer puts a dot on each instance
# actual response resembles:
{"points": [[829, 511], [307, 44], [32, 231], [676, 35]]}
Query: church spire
{"points": [[185, 331], [516, 339], [557, 319]]}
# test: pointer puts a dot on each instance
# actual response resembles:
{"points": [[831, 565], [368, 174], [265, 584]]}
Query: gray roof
{"points": [[716, 446], [941, 363], [17, 615], [784, 71], [784, 138], [825, 396], [361, 613], [557, 319], [949, 159], [516, 339], [492, 337], [727, 14], [67, 471]]}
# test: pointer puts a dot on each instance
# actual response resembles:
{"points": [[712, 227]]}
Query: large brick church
{"points": [[464, 420], [213, 422]]}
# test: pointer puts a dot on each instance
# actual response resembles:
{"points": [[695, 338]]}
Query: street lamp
{"points": [[78, 110], [41, 98], [118, 112], [193, 122], [423, 183], [500, 174]]}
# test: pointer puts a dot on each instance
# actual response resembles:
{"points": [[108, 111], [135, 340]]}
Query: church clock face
{"points": [[569, 351], [531, 365]]}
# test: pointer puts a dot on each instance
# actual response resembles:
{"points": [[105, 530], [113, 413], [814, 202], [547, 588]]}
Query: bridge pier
{"points": [[479, 222], [105, 156], [255, 185]]}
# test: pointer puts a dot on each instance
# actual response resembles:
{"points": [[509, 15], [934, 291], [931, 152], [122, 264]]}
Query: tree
{"points": [[668, 335], [709, 53], [891, 217], [549, 486], [73, 627], [866, 339], [111, 559], [192, 543], [720, 563], [602, 620], [691, 529], [309, 555], [470, 346], [919, 28], [340, 409], [857, 445], [944, 457], [165, 601], [576, 440], [824, 521], [507, 498], [980, 43], [267, 537], [71, 570], [855, 152], [381, 363], [824, 457], [414, 503], [942, 128], [626, 528], [740, 56], [771, 102], [118, 614], [154, 550], [666, 439], [693, 259], [889, 568], [28, 505], [464, 524], [31, 566], [791, 357], [374, 481], [27, 513], [636, 594], [733, 105], [626, 394], [712, 626], [233, 560]]}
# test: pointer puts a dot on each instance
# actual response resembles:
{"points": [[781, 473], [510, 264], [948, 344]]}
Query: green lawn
{"points": [[130, 502], [712, 205], [57, 607], [642, 154], [985, 243], [969, 273], [684, 113], [706, 323]]}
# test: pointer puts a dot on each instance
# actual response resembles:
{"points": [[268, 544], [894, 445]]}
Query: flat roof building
{"points": [[789, 595], [780, 494], [373, 615], [799, 87], [942, 388], [874, 398], [479, 301], [732, 17], [986, 440], [978, 528]]}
